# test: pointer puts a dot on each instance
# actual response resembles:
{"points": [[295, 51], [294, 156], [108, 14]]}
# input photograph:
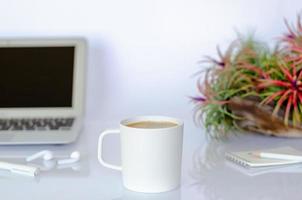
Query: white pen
{"points": [[278, 156], [19, 169]]}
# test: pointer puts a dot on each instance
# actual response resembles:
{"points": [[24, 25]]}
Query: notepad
{"points": [[256, 171], [249, 160]]}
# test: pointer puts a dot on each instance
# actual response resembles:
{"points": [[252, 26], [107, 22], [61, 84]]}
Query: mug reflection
{"points": [[129, 195]]}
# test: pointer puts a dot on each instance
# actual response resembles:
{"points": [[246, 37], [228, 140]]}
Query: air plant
{"points": [[286, 92], [250, 70]]}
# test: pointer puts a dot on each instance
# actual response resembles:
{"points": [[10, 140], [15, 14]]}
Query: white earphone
{"points": [[74, 157], [45, 154], [48, 156], [47, 165]]}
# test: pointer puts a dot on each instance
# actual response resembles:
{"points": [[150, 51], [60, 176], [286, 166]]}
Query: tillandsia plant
{"points": [[253, 88]]}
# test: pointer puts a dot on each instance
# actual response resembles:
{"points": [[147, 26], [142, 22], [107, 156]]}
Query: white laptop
{"points": [[41, 90]]}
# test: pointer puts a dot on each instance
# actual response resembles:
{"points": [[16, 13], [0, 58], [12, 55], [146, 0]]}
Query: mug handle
{"points": [[100, 149]]}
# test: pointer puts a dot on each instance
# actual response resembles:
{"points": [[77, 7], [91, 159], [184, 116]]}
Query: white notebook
{"points": [[248, 159], [255, 171]]}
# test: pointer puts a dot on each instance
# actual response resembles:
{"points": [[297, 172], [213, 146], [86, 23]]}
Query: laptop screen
{"points": [[36, 76]]}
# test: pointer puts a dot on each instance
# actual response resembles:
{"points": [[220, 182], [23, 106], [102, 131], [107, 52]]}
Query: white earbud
{"points": [[74, 157], [46, 155], [73, 166], [47, 165]]}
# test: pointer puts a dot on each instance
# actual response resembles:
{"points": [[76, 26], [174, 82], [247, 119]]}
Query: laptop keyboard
{"points": [[36, 124]]}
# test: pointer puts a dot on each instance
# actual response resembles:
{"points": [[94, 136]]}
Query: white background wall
{"points": [[143, 52]]}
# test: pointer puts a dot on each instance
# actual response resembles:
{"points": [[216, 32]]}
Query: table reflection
{"points": [[214, 178]]}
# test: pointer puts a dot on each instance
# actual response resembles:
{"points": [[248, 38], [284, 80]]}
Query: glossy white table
{"points": [[205, 173]]}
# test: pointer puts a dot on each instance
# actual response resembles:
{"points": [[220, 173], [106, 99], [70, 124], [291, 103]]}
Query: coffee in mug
{"points": [[151, 124]]}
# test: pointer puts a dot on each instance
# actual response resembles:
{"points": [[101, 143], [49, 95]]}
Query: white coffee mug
{"points": [[151, 158]]}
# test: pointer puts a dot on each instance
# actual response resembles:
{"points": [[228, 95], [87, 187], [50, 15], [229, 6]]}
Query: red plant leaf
{"points": [[296, 116], [299, 76], [220, 55], [280, 102], [294, 71], [295, 98], [287, 73], [298, 61], [289, 28], [271, 82], [300, 97], [268, 99], [296, 49], [287, 110], [256, 69], [290, 58]]}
